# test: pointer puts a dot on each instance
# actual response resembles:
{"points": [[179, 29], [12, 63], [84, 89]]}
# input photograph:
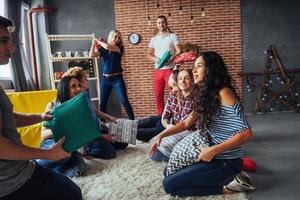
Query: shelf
{"points": [[56, 59], [89, 78], [69, 37], [89, 64]]}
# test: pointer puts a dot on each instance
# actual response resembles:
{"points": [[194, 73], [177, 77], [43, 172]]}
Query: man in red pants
{"points": [[162, 42]]}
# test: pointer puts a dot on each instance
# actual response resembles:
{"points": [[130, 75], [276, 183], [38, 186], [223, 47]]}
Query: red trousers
{"points": [[161, 78]]}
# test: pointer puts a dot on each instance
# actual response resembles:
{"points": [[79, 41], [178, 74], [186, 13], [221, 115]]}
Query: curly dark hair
{"points": [[206, 101]]}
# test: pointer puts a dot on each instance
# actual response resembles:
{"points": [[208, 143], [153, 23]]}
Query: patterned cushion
{"points": [[167, 144], [185, 57], [125, 130], [186, 152]]}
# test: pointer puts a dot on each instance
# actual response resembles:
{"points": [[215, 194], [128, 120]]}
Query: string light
{"points": [[169, 14], [149, 21], [180, 7], [202, 12], [148, 17], [192, 16]]}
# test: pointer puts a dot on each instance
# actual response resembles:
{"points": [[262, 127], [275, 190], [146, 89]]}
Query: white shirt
{"points": [[162, 44]]}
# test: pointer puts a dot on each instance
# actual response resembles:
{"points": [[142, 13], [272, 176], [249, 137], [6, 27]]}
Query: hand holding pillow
{"points": [[164, 59]]}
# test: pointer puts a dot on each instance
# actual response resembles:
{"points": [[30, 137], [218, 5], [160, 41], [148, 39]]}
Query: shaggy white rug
{"points": [[131, 176]]}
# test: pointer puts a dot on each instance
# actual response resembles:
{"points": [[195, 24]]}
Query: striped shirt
{"points": [[230, 122]]}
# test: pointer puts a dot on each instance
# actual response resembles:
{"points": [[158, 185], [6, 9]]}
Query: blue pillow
{"points": [[76, 120]]}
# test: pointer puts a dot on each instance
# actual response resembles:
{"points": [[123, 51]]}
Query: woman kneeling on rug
{"points": [[220, 119]]}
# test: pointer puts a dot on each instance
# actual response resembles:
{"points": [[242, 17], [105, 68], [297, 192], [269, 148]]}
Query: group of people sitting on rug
{"points": [[203, 102], [199, 134]]}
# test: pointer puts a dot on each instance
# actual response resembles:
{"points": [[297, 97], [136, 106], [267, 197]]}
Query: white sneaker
{"points": [[241, 183]]}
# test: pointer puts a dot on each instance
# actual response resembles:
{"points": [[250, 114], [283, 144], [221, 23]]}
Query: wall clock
{"points": [[134, 38]]}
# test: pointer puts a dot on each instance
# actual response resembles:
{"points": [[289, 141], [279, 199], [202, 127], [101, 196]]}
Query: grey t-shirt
{"points": [[13, 173]]}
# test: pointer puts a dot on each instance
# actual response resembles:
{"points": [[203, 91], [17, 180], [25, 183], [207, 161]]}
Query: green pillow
{"points": [[165, 58], [76, 120]]}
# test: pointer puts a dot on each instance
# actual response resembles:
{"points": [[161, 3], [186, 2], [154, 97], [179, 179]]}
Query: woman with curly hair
{"points": [[218, 114]]}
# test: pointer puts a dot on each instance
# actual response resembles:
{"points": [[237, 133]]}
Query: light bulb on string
{"points": [[149, 21], [148, 16], [278, 78], [270, 69], [192, 16], [169, 14], [192, 19], [202, 12], [180, 7]]}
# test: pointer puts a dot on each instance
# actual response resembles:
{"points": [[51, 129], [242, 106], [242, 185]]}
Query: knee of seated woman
{"points": [[168, 187]]}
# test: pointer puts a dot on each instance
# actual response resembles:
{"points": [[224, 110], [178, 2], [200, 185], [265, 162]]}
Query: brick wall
{"points": [[219, 30]]}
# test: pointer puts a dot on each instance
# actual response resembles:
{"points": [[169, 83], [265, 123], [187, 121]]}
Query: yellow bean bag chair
{"points": [[31, 102]]}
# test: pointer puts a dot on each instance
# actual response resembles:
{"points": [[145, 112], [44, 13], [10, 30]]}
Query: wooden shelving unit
{"points": [[92, 69]]}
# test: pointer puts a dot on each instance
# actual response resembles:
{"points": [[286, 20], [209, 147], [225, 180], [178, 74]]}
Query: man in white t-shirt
{"points": [[164, 41]]}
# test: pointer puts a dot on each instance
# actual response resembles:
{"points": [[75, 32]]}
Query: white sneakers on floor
{"points": [[241, 183]]}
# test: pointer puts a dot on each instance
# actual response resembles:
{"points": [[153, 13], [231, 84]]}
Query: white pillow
{"points": [[186, 151], [125, 130], [167, 144]]}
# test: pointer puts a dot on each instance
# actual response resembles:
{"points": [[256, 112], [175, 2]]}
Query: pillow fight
{"points": [[198, 132]]}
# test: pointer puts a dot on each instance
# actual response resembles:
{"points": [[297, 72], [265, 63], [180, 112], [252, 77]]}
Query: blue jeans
{"points": [[101, 148], [70, 166], [149, 128], [47, 185], [202, 178], [117, 83], [159, 156]]}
